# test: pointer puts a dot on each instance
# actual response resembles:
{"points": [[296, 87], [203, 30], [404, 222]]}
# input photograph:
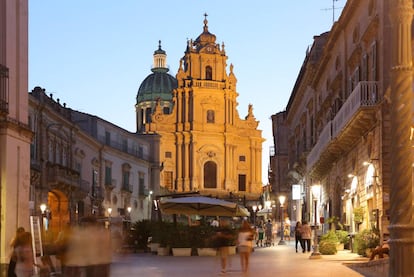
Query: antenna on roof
{"points": [[333, 9]]}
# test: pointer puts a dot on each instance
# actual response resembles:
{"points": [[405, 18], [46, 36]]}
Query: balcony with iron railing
{"points": [[124, 148], [62, 175], [205, 84], [356, 116]]}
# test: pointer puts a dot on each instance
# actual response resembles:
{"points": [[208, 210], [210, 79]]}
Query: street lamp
{"points": [[109, 216], [282, 199], [254, 214], [43, 208], [316, 191], [268, 204]]}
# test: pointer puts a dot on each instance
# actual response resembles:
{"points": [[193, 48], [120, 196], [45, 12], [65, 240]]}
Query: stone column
{"points": [[401, 190]]}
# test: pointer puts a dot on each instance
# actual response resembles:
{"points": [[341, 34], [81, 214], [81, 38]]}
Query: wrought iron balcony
{"points": [[355, 117]]}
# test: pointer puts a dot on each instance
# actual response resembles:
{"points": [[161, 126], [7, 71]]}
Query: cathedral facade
{"points": [[205, 146]]}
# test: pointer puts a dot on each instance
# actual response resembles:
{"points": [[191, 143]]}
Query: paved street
{"points": [[272, 261]]}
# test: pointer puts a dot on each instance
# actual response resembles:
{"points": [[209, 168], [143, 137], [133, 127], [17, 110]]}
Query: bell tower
{"points": [[205, 145]]}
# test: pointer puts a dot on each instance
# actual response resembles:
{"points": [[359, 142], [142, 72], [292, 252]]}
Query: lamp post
{"points": [[316, 190], [254, 214], [109, 216], [282, 199], [268, 204], [43, 208]]}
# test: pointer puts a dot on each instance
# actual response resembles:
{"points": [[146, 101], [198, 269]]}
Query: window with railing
{"points": [[142, 191], [4, 89]]}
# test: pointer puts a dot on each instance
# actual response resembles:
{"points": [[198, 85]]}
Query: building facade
{"points": [[205, 146], [82, 165], [340, 121], [15, 135]]}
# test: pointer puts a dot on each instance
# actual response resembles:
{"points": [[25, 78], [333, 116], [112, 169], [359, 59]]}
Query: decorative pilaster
{"points": [[401, 190]]}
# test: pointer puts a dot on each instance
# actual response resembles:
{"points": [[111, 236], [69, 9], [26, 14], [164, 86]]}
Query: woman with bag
{"points": [[244, 244]]}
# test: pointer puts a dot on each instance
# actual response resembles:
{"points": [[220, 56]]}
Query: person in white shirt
{"points": [[244, 244]]}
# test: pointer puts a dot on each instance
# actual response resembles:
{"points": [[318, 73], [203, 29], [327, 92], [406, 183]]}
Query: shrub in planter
{"points": [[331, 236], [327, 247], [366, 239], [343, 236]]}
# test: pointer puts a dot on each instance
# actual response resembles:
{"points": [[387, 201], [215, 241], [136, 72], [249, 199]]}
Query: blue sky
{"points": [[94, 54]]}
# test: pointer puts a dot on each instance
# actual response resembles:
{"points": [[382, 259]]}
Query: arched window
{"points": [[209, 73], [210, 175], [210, 116]]}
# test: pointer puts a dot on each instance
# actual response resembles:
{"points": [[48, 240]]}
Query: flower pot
{"points": [[181, 251], [206, 251]]}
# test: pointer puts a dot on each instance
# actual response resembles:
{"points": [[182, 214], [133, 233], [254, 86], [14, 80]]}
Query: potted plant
{"points": [[366, 241], [358, 215], [202, 237], [181, 243], [328, 243], [343, 238]]}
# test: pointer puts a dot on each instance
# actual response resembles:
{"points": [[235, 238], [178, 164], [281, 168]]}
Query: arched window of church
{"points": [[210, 116], [210, 175], [209, 73], [148, 115]]}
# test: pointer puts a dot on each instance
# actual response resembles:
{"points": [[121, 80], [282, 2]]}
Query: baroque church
{"points": [[205, 146]]}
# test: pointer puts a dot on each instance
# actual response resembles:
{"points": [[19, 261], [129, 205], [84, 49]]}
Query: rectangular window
{"points": [[108, 176], [94, 183], [107, 138], [125, 145], [140, 151], [168, 154], [141, 184], [168, 180], [125, 180], [242, 182], [242, 158], [210, 116]]}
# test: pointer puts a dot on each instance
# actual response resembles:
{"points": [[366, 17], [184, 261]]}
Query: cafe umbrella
{"points": [[202, 205]]}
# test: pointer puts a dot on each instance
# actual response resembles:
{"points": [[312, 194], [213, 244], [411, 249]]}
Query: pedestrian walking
{"points": [[24, 255], [306, 233], [13, 258], [286, 229], [244, 244], [222, 240], [269, 233], [298, 236], [260, 232]]}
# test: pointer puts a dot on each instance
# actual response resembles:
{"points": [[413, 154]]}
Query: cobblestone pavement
{"points": [[279, 260]]}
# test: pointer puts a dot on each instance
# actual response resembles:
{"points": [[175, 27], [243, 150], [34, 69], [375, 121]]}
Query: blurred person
{"points": [[244, 244], [88, 250], [269, 232], [222, 240], [13, 258], [306, 234], [24, 255], [286, 228], [298, 236], [260, 236]]}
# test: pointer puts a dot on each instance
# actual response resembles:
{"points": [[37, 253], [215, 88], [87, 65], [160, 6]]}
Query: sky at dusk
{"points": [[94, 54]]}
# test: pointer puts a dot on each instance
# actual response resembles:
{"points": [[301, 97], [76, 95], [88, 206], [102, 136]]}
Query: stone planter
{"points": [[206, 251], [163, 251], [154, 247], [340, 247], [181, 251], [232, 250]]}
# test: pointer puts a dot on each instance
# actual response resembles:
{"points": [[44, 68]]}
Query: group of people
{"points": [[84, 249], [244, 241], [303, 235]]}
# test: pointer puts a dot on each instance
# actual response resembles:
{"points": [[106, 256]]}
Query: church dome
{"points": [[159, 84]]}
